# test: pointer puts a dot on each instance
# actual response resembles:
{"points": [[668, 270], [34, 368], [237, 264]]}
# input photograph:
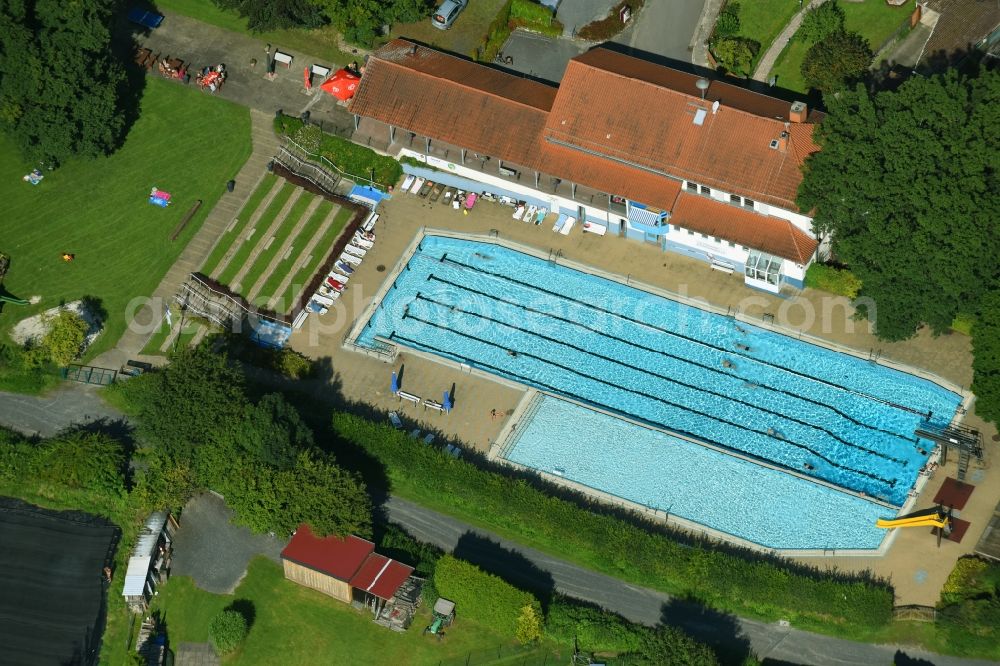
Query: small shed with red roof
{"points": [[346, 568]]}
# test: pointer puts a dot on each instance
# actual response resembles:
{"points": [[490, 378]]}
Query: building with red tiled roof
{"points": [[701, 167], [346, 568]]}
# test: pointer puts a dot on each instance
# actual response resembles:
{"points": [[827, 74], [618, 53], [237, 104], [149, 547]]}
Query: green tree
{"points": [[836, 61], [528, 628], [735, 54], [820, 22], [63, 341], [198, 399], [227, 630], [905, 185], [264, 15], [361, 21], [60, 85], [315, 491], [274, 432], [986, 356], [728, 23], [668, 646]]}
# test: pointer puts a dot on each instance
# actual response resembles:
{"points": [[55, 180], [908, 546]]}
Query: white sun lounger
{"points": [[594, 228], [559, 221], [326, 292], [518, 212], [367, 244], [350, 258], [529, 215], [372, 219], [394, 420], [315, 306], [356, 251], [417, 184], [453, 451], [322, 300], [407, 182], [568, 226], [342, 279]]}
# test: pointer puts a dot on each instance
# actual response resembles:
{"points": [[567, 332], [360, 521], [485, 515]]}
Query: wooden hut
{"points": [[345, 568]]}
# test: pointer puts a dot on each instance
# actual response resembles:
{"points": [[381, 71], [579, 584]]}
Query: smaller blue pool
{"points": [[762, 505]]}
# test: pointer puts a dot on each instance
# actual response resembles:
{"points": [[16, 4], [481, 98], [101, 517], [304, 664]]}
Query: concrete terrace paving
{"points": [[916, 567]]}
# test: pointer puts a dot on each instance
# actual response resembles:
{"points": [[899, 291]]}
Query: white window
{"points": [[748, 203], [763, 267], [692, 187], [706, 190]]}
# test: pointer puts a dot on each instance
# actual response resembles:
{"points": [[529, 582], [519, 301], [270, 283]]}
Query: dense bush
{"points": [[969, 610], [836, 62], [645, 555], [832, 279], [530, 15], [227, 631], [481, 596], [63, 340], [669, 645], [357, 162], [496, 34], [264, 15], [594, 629], [735, 54], [820, 22], [728, 23]]}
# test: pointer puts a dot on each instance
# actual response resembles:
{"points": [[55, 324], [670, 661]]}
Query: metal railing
{"points": [[314, 173], [324, 162], [915, 613]]}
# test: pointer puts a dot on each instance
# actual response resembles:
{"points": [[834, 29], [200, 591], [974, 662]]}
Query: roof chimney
{"points": [[799, 112], [413, 51], [702, 85]]}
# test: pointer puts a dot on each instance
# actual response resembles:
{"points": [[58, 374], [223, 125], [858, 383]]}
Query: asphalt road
{"points": [[535, 570], [664, 28], [47, 415]]}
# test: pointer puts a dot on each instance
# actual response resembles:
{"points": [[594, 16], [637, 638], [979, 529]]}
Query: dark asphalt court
{"points": [[212, 550], [52, 597]]}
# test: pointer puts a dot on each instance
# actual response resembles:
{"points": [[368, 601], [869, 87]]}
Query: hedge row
{"points": [[480, 596], [834, 280], [743, 582]]}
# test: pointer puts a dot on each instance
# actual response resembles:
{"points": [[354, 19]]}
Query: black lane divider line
{"points": [[407, 315], [703, 366], [681, 335], [657, 375]]}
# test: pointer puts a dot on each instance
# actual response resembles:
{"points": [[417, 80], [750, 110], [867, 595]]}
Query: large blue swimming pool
{"points": [[760, 504], [765, 395]]}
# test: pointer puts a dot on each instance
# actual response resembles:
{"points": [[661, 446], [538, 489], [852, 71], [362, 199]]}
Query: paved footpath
{"points": [[778, 45]]}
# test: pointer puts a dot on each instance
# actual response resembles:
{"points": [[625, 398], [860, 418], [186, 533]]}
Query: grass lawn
{"points": [[762, 20], [243, 219], [319, 254], [248, 244], [467, 33], [295, 625], [281, 234], [321, 43], [310, 229], [98, 210], [875, 21]]}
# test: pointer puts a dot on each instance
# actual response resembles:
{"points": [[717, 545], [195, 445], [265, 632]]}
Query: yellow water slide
{"points": [[925, 518]]}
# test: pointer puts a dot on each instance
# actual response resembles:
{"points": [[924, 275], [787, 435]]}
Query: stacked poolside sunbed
{"points": [[336, 280]]}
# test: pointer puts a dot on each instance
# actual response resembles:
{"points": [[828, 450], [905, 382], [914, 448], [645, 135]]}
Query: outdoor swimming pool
{"points": [[762, 505], [767, 396]]}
